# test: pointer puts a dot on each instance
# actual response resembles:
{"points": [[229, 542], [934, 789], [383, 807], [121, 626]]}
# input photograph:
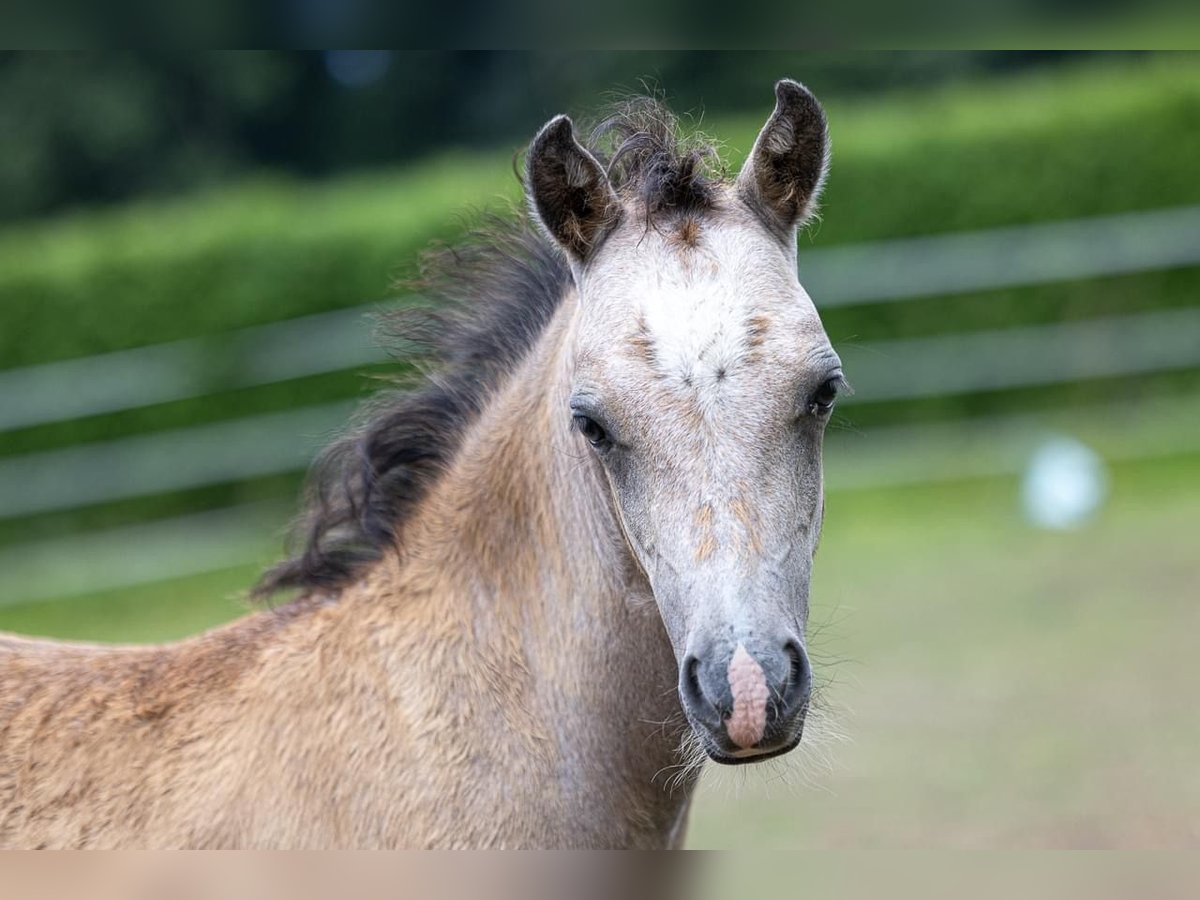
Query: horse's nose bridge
{"points": [[739, 571], [730, 526], [762, 607]]}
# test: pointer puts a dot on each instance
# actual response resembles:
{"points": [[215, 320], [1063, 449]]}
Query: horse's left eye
{"points": [[823, 399], [591, 430]]}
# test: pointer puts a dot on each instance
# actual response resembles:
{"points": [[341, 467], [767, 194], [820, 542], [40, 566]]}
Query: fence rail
{"points": [[997, 258], [882, 457], [167, 461], [881, 271], [236, 450], [278, 443]]}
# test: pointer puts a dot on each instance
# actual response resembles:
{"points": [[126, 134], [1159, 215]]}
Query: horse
{"points": [[571, 556]]}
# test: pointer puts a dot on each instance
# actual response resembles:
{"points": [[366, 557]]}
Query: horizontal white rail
{"points": [[1021, 357], [277, 443], [175, 460], [1003, 257], [854, 460], [880, 271], [127, 379], [140, 554]]}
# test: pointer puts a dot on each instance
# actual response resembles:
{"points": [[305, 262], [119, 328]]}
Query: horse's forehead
{"points": [[706, 302]]}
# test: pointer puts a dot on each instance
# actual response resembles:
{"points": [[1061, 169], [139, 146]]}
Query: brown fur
{"points": [[707, 545], [476, 658], [756, 334], [381, 716], [789, 160], [689, 232], [492, 296], [747, 519], [642, 344]]}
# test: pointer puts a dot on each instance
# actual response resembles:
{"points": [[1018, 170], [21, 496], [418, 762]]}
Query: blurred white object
{"points": [[1064, 484]]}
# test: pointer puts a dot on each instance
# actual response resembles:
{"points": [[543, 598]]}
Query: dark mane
{"points": [[485, 302], [651, 162]]}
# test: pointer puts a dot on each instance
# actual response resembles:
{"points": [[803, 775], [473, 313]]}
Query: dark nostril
{"points": [[691, 682], [797, 665], [799, 684], [703, 704]]}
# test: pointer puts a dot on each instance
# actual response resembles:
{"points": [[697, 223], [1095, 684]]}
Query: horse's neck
{"points": [[520, 541]]}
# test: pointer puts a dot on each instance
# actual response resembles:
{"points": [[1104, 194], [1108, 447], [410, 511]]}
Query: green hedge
{"points": [[261, 252], [1055, 145]]}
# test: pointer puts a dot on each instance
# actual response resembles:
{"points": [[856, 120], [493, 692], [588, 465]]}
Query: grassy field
{"points": [[994, 685]]}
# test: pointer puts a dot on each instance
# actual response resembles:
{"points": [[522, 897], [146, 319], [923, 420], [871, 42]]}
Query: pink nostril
{"points": [[748, 683]]}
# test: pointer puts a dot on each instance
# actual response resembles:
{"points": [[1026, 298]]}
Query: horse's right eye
{"points": [[824, 398], [591, 430]]}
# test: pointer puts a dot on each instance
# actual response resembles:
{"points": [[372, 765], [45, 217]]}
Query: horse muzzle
{"points": [[747, 705]]}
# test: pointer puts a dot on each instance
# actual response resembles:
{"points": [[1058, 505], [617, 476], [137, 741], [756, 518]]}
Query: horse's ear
{"points": [[569, 191], [783, 175]]}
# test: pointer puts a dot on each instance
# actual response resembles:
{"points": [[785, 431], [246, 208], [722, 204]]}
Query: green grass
{"points": [[997, 685], [149, 613]]}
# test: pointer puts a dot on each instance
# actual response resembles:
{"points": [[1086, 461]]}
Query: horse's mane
{"points": [[487, 299]]}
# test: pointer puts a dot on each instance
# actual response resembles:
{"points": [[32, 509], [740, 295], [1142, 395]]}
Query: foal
{"points": [[529, 585]]}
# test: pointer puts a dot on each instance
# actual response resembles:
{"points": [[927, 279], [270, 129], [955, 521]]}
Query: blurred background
{"points": [[1006, 607]]}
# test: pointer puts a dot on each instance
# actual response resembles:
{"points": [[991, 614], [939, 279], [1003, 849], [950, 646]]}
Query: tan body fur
{"points": [[434, 703], [583, 561]]}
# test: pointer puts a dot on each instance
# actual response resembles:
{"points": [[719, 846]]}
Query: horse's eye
{"points": [[596, 436], [823, 400]]}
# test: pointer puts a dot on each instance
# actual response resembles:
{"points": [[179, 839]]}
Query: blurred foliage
{"points": [[1033, 146], [925, 594], [1026, 149], [95, 127]]}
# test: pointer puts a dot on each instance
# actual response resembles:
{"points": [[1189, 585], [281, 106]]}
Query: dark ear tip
{"points": [[790, 94], [558, 131]]}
